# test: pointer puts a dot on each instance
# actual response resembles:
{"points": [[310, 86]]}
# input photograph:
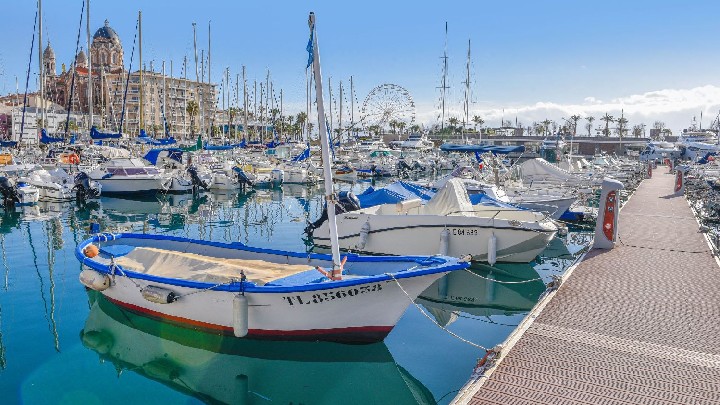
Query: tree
{"points": [[192, 110], [589, 125], [401, 126], [574, 118], [546, 126], [374, 129], [300, 120], [415, 128], [478, 121], [453, 121], [622, 125], [608, 119], [310, 127], [638, 130]]}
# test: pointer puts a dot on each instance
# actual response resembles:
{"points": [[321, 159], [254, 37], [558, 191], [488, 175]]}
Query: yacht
{"points": [[130, 175]]}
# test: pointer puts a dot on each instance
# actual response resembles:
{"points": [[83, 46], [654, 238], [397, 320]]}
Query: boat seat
{"points": [[190, 266]]}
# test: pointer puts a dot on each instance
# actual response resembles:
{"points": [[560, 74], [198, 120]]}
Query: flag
{"points": [[310, 47]]}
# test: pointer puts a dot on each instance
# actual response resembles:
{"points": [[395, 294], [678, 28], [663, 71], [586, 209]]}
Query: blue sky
{"points": [[535, 60]]}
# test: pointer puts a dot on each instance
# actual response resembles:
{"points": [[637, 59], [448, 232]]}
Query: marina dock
{"points": [[637, 324]]}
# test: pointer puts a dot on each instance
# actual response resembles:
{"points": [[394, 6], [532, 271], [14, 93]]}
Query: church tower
{"points": [[49, 61], [106, 49]]}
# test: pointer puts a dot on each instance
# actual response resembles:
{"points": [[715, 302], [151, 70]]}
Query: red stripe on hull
{"points": [[357, 334]]}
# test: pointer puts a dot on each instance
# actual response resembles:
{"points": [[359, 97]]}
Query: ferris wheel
{"points": [[387, 103]]}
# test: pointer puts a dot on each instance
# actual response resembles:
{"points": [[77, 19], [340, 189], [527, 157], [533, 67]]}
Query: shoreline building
{"points": [[164, 98]]}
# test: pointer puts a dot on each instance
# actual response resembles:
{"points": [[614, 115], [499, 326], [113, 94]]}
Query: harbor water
{"points": [[60, 344]]}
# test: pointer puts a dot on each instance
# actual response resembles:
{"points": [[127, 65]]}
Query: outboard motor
{"points": [[195, 178], [8, 190], [84, 189], [347, 201], [243, 178]]}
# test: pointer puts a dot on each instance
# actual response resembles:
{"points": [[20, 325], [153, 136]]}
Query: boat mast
{"points": [[245, 104], [325, 143], [140, 123], [340, 127], [467, 92], [444, 86], [352, 105], [197, 72], [89, 57], [330, 100], [41, 107]]}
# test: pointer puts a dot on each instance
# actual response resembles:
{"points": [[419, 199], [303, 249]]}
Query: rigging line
{"points": [[431, 318], [74, 68], [504, 282], [27, 78]]}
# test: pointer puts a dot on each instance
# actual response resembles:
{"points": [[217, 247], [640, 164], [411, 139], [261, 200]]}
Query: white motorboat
{"points": [[129, 175], [447, 224], [58, 185]]}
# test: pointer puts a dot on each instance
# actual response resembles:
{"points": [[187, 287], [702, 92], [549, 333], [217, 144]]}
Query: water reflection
{"points": [[483, 291], [217, 369]]}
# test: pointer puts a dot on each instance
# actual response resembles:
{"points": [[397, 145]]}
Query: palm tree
{"points": [[590, 120], [622, 122], [415, 128], [478, 121], [608, 119], [310, 127], [575, 118], [453, 124], [374, 129], [401, 126], [545, 126], [192, 110], [301, 119]]}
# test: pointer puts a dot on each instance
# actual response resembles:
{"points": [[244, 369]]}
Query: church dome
{"points": [[107, 32]]}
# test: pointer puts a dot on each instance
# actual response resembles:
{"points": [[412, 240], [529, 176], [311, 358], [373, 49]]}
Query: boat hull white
{"points": [[422, 235]]}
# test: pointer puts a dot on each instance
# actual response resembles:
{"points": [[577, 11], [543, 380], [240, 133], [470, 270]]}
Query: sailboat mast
{"points": [[41, 108], [245, 104], [330, 197], [340, 120], [467, 89], [89, 58], [352, 105], [140, 123], [330, 97], [444, 87]]}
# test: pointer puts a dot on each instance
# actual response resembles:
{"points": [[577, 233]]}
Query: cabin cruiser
{"points": [[658, 150], [417, 141], [58, 185], [130, 175]]}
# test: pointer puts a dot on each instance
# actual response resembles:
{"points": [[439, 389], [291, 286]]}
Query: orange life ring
{"points": [[74, 159]]}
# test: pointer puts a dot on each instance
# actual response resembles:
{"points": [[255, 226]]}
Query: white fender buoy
{"points": [[94, 280], [606, 226], [243, 390], [162, 369], [99, 341], [444, 242], [364, 232], [240, 315], [492, 249], [159, 295]]}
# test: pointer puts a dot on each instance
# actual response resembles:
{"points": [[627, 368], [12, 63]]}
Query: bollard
{"points": [[649, 172], [606, 225], [680, 179], [670, 165]]}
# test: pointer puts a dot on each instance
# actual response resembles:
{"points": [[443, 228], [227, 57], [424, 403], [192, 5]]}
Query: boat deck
{"points": [[638, 324]]}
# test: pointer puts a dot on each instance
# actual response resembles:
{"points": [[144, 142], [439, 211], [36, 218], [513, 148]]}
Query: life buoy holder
{"points": [[678, 180], [609, 216], [74, 159]]}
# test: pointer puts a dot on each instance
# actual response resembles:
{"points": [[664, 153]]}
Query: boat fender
{"points": [[492, 249], [94, 280], [91, 251], [162, 369], [159, 295], [444, 242], [364, 232], [240, 315], [99, 341]]}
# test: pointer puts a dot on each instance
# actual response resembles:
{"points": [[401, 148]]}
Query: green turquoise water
{"points": [[62, 345]]}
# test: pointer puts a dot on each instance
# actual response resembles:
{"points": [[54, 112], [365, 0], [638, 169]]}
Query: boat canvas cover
{"points": [[393, 193], [452, 199], [542, 168], [401, 191], [189, 266], [45, 138], [95, 134]]}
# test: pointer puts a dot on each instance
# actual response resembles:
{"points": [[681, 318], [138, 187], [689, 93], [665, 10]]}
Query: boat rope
{"points": [[503, 282], [431, 318], [212, 287]]}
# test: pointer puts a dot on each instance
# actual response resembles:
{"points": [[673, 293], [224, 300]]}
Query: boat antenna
{"points": [[330, 198]]}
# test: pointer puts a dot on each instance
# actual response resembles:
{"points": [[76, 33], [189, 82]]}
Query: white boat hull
{"points": [[422, 235], [128, 185]]}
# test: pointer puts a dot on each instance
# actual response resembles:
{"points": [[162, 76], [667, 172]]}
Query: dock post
{"points": [[606, 225], [649, 169]]}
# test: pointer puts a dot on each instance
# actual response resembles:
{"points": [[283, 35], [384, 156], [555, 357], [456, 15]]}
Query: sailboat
{"points": [[261, 293]]}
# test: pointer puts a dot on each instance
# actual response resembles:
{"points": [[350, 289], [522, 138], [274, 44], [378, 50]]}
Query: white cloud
{"points": [[675, 107]]}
